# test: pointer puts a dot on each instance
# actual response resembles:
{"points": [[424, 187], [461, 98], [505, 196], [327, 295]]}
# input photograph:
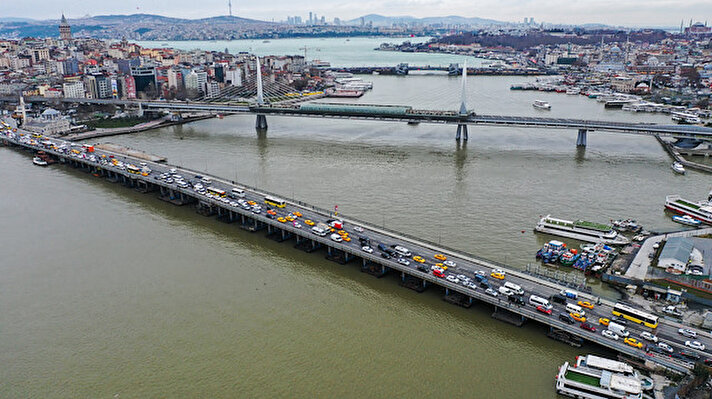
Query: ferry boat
{"points": [[678, 168], [684, 118], [573, 91], [569, 257], [614, 366], [347, 93], [39, 161], [593, 383], [580, 230], [551, 251], [701, 211], [686, 219], [541, 104]]}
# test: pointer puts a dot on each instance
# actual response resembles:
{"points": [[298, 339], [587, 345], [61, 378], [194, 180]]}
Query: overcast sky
{"points": [[612, 12]]}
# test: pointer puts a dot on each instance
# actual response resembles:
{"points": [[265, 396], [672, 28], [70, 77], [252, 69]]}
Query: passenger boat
{"points": [[573, 91], [594, 383], [39, 161], [614, 366], [677, 167], [627, 225], [686, 219], [541, 104], [684, 118], [580, 230], [701, 211]]}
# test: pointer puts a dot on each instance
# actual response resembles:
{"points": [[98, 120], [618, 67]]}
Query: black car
{"points": [[485, 284], [566, 318], [517, 299], [557, 298], [690, 355], [423, 268], [385, 255], [619, 320]]}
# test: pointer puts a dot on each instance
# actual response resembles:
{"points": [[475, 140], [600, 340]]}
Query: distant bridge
{"points": [[226, 104]]}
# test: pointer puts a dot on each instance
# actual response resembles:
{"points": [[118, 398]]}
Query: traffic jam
{"points": [[623, 323]]}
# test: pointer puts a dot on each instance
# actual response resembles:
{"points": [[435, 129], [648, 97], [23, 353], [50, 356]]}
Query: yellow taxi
{"points": [[498, 274], [290, 218], [281, 219], [346, 238], [577, 317], [297, 214], [252, 203], [633, 342], [603, 321], [308, 222], [440, 257], [342, 233], [418, 259], [442, 266], [585, 304]]}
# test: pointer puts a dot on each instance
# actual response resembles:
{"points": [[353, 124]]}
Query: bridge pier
{"points": [[261, 123], [581, 139], [461, 132]]}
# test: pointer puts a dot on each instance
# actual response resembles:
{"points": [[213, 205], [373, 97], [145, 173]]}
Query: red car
{"points": [[438, 273], [589, 327], [544, 310]]}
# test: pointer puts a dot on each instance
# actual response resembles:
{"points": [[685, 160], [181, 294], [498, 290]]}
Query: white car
{"points": [[491, 291], [665, 347], [297, 225], [403, 261], [687, 332], [648, 336], [358, 229], [335, 237], [506, 291], [452, 279], [472, 286], [367, 249], [610, 334], [449, 263], [462, 277], [695, 345]]}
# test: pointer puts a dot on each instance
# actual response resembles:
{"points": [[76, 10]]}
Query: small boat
{"points": [[541, 104], [686, 219], [39, 161], [678, 168]]}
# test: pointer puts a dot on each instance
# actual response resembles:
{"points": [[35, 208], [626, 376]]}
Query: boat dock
{"points": [[414, 271]]}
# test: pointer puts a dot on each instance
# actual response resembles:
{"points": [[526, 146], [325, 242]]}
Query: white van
{"points": [[506, 291], [207, 181], [237, 193], [539, 301], [515, 288], [319, 231], [618, 329], [403, 251], [571, 308]]}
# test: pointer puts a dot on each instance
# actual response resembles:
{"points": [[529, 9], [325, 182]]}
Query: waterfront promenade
{"points": [[351, 251]]}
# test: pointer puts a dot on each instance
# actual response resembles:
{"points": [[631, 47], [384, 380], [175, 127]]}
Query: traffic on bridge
{"points": [[421, 264]]}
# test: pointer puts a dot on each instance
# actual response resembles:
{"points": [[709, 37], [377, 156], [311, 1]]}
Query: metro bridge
{"points": [[257, 101]]}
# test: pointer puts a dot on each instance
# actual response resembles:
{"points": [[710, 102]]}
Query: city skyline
{"points": [[653, 13]]}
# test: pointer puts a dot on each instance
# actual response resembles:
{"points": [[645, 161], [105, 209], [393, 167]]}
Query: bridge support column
{"points": [[261, 123], [581, 139], [461, 132]]}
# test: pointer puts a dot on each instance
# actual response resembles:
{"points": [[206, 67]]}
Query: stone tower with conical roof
{"points": [[65, 31]]}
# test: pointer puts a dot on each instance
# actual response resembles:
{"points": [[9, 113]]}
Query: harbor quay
{"points": [[462, 278]]}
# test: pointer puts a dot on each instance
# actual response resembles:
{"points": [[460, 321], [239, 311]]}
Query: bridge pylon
{"points": [[261, 122], [462, 127], [581, 138]]}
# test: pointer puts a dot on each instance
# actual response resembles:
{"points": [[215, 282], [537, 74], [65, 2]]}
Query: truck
{"points": [[618, 329]]}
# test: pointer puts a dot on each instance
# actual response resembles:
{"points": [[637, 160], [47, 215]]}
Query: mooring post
{"points": [[581, 139]]}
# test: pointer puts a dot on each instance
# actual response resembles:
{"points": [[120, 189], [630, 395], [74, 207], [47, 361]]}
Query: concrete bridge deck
{"points": [[466, 264]]}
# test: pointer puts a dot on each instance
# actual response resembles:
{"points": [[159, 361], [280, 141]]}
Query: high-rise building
{"points": [[39, 54], [65, 31], [144, 76], [128, 87], [310, 18], [73, 89]]}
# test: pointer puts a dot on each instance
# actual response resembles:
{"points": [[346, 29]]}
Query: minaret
{"points": [[23, 110], [229, 6], [65, 31]]}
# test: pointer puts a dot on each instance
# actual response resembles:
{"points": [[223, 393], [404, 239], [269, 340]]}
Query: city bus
{"points": [[635, 315], [279, 203], [216, 191], [133, 169]]}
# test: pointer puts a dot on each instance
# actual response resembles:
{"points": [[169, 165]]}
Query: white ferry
{"points": [[614, 366], [39, 161], [685, 118], [541, 104], [581, 230], [593, 383], [701, 211]]}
